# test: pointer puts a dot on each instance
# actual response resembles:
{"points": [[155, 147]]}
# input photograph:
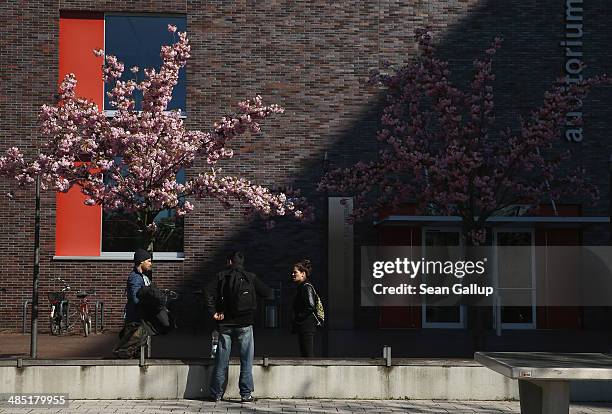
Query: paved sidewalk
{"points": [[177, 345], [298, 406]]}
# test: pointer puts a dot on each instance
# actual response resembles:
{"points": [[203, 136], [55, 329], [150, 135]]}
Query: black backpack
{"points": [[238, 292]]}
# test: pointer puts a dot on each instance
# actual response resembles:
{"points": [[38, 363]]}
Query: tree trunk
{"points": [[145, 219], [476, 312]]}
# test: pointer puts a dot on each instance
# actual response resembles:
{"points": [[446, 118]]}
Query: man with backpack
{"points": [[232, 299]]}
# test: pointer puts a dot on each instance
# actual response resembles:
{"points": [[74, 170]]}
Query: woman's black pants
{"points": [[306, 342]]}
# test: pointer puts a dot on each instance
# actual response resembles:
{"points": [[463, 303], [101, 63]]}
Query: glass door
{"points": [[441, 244], [514, 278]]}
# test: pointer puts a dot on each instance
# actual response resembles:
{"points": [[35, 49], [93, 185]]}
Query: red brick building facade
{"points": [[312, 58]]}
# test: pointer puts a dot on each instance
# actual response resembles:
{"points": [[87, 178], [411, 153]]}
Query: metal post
{"points": [[36, 275], [610, 196], [99, 316], [95, 324], [325, 244], [498, 322], [145, 351], [25, 314], [387, 355], [609, 311]]}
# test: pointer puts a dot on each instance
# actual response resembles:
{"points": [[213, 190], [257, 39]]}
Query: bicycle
{"points": [[170, 300], [60, 310], [170, 294]]}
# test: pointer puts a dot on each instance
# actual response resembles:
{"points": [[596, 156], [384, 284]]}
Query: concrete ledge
{"points": [[281, 378], [264, 361]]}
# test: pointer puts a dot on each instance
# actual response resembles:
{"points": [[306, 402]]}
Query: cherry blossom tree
{"points": [[129, 162], [441, 151]]}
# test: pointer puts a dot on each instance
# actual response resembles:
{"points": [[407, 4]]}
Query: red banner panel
{"points": [[78, 227]]}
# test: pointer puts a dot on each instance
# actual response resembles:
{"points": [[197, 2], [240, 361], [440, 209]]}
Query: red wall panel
{"points": [[78, 227]]}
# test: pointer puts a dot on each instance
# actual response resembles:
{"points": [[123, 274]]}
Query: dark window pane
{"points": [[137, 41], [443, 314], [120, 233], [517, 314], [441, 246]]}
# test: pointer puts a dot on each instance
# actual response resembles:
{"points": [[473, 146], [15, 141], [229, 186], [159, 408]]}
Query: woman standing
{"points": [[304, 307]]}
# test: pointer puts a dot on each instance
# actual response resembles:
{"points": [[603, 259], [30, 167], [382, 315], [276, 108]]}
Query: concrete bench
{"points": [[544, 378]]}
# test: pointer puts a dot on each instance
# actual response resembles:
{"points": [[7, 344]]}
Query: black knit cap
{"points": [[140, 256], [236, 257]]}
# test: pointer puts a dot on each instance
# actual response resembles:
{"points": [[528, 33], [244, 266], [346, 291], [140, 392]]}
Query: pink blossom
{"points": [[141, 153], [441, 159]]}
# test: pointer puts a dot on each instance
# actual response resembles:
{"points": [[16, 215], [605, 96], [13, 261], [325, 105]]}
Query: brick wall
{"points": [[311, 58]]}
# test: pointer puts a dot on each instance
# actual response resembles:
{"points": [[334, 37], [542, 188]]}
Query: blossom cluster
{"points": [[130, 161], [443, 153]]}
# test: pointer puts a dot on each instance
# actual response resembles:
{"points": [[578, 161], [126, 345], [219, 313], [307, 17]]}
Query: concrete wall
{"points": [[280, 379]]}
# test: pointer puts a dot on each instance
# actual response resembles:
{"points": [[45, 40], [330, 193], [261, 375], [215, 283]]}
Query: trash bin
{"points": [[272, 309], [271, 316]]}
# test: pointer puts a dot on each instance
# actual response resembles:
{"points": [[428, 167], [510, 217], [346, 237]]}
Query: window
{"points": [[136, 41], [120, 233], [515, 278], [84, 231]]}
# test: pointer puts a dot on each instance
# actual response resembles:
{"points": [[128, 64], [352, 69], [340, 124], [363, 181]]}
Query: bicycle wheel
{"points": [[86, 323], [54, 328], [63, 320]]}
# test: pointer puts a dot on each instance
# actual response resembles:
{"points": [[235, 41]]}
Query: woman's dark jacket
{"points": [[304, 305]]}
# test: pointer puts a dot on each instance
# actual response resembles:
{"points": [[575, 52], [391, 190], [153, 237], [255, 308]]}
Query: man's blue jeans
{"points": [[244, 337]]}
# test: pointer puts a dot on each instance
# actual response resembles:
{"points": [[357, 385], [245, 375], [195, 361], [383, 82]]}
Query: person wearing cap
{"points": [[136, 281], [134, 333]]}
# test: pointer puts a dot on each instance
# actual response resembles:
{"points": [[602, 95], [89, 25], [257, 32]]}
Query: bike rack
{"points": [[98, 315], [99, 305], [98, 310], [25, 313]]}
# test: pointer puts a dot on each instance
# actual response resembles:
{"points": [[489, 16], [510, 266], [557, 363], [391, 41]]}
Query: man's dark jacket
{"points": [[146, 303], [135, 282], [219, 288]]}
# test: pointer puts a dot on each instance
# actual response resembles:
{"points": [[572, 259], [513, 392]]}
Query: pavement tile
{"points": [[298, 406], [18, 411]]}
